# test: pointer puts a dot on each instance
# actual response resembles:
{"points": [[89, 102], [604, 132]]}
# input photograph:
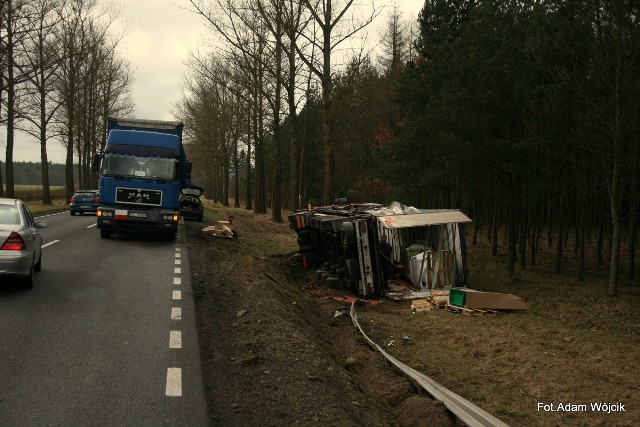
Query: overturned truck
{"points": [[343, 243]]}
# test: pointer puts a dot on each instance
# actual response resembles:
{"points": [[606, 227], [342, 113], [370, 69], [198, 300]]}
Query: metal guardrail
{"points": [[467, 412]]}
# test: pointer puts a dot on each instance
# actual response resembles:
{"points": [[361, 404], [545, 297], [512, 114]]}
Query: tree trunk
{"points": [[633, 220], [276, 211], [560, 240], [236, 182], [11, 113], [511, 233], [580, 237], [249, 189], [327, 120]]}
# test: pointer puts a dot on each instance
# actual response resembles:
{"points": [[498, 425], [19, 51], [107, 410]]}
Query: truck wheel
{"points": [[105, 234], [72, 213]]}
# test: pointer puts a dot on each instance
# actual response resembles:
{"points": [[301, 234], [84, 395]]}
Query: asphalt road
{"points": [[106, 337]]}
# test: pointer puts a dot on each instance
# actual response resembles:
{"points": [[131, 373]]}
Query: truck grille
{"points": [[139, 196]]}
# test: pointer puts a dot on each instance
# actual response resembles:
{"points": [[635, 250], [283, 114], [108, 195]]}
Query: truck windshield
{"points": [[139, 167]]}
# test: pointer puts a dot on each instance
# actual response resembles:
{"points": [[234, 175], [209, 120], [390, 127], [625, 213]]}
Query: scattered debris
{"points": [[470, 311], [421, 305], [472, 299], [341, 312], [221, 229]]}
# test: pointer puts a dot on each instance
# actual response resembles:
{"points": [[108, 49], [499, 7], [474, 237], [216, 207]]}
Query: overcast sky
{"points": [[157, 45]]}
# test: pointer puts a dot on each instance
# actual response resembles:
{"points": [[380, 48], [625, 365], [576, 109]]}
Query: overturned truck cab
{"points": [[141, 174], [427, 247]]}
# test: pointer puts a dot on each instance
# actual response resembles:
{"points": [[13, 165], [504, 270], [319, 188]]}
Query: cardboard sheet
{"points": [[493, 300]]}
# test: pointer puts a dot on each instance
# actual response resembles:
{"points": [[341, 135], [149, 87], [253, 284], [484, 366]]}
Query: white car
{"points": [[20, 242]]}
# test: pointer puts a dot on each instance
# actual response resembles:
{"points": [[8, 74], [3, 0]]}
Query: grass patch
{"points": [[574, 344], [258, 235]]}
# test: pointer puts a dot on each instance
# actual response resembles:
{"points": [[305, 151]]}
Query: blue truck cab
{"points": [[141, 174]]}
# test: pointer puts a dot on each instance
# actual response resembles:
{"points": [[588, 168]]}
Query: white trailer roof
{"points": [[423, 219]]}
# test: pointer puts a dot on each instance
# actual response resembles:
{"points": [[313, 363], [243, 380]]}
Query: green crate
{"points": [[456, 296]]}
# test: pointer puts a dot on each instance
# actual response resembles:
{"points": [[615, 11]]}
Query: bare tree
{"points": [[90, 82], [42, 60], [17, 24], [338, 21], [245, 38], [395, 42]]}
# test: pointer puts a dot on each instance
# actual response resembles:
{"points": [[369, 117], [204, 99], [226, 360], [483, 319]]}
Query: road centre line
{"points": [[175, 339], [50, 243], [177, 295], [177, 270], [178, 262], [177, 281], [176, 313], [174, 382]]}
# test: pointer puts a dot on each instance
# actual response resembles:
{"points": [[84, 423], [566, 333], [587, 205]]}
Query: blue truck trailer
{"points": [[141, 174]]}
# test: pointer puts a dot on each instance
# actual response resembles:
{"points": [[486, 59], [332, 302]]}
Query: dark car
{"points": [[20, 242], [84, 201], [190, 203]]}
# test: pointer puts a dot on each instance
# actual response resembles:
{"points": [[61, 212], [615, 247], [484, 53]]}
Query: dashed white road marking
{"points": [[177, 281], [92, 225], [53, 214], [178, 262], [177, 295], [178, 255], [175, 339], [50, 243], [174, 382], [177, 270], [176, 313]]}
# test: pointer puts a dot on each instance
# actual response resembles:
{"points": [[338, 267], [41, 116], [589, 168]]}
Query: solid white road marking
{"points": [[50, 243], [176, 313], [175, 339], [174, 382], [177, 295], [177, 281]]}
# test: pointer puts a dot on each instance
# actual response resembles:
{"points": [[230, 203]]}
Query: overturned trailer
{"points": [[343, 243]]}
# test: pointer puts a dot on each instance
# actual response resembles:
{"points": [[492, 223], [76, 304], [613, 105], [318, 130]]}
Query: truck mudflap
{"points": [[128, 220]]}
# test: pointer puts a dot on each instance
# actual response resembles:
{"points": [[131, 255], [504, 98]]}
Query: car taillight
{"points": [[13, 243], [96, 200], [73, 200]]}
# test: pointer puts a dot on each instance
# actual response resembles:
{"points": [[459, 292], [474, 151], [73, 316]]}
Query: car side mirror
{"points": [[42, 224]]}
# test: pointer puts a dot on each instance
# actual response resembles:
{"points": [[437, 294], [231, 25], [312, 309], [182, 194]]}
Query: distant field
{"points": [[34, 192], [32, 195]]}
